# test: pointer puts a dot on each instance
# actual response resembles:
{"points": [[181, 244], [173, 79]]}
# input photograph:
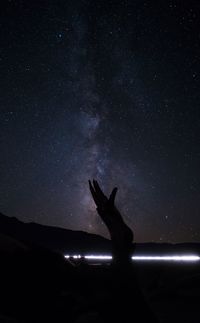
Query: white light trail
{"points": [[185, 258], [98, 257], [173, 258], [73, 256]]}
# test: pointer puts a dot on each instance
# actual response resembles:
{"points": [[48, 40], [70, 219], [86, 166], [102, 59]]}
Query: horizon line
{"points": [[174, 258]]}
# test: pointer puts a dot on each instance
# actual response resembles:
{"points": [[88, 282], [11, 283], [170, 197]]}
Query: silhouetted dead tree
{"points": [[127, 302], [121, 235]]}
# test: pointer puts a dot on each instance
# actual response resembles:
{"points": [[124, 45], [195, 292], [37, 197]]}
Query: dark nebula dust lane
{"points": [[106, 90]]}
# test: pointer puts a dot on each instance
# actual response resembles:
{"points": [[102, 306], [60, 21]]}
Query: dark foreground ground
{"points": [[37, 287], [37, 284], [172, 290]]}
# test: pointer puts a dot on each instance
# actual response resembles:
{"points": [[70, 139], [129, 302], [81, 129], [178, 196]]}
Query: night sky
{"points": [[107, 90]]}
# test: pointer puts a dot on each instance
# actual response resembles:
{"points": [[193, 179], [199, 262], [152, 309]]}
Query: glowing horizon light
{"points": [[167, 258], [176, 258], [73, 256], [98, 257]]}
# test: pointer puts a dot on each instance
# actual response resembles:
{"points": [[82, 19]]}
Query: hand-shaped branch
{"points": [[121, 235]]}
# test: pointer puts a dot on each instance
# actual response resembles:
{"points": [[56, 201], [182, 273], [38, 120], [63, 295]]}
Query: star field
{"points": [[106, 90]]}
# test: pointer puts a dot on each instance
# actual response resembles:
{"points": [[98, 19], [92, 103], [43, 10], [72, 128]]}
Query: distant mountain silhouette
{"points": [[53, 238], [153, 248], [18, 233]]}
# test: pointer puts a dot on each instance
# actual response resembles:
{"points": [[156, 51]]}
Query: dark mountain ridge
{"points": [[72, 242], [50, 237]]}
